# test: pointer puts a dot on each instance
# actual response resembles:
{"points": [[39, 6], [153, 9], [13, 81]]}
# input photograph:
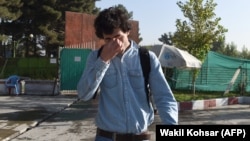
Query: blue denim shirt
{"points": [[123, 105]]}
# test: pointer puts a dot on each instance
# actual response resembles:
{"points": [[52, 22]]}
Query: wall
{"points": [[79, 30], [34, 87]]}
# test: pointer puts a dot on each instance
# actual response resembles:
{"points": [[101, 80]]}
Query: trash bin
{"points": [[22, 86]]}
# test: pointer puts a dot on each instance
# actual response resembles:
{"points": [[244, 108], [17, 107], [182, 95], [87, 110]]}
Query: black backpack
{"points": [[145, 64]]}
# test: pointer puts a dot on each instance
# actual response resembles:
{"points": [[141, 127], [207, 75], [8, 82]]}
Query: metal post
{"points": [[22, 86]]}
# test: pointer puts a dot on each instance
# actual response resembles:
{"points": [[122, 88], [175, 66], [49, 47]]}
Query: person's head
{"points": [[110, 20]]}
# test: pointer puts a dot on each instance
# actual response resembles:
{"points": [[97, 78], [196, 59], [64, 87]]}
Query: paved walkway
{"points": [[53, 118]]}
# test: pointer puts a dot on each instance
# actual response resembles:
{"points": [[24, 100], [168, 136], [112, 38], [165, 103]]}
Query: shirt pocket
{"points": [[110, 78], [136, 79]]}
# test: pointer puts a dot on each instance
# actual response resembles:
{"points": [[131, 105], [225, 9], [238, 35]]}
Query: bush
{"points": [[181, 95], [34, 68]]}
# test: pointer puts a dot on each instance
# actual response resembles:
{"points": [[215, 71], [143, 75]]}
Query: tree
{"points": [[9, 10], [245, 53], [166, 38], [202, 28], [231, 50], [130, 14], [81, 6], [45, 19], [219, 45], [50, 21], [200, 31]]}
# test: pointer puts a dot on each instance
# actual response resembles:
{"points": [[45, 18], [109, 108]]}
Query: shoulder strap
{"points": [[98, 55], [145, 64], [99, 51]]}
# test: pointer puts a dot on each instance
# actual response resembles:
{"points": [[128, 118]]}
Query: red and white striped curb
{"points": [[206, 104]]}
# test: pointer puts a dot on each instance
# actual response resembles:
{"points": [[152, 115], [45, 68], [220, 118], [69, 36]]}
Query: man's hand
{"points": [[111, 49]]}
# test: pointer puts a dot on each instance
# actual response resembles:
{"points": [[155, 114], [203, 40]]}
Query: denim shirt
{"points": [[123, 105]]}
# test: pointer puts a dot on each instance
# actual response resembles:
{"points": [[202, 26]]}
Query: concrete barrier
{"points": [[208, 103], [33, 87]]}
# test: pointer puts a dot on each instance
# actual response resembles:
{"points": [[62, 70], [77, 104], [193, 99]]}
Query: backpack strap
{"points": [[145, 64], [98, 55], [99, 51]]}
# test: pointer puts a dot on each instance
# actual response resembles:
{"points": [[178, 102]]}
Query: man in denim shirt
{"points": [[124, 112]]}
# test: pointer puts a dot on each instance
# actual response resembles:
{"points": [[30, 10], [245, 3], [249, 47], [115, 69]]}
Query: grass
{"points": [[182, 96]]}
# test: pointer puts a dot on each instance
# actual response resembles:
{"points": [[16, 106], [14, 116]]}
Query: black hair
{"points": [[110, 19]]}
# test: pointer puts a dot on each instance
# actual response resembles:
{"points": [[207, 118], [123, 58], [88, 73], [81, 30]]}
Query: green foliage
{"points": [[245, 53], [130, 14], [198, 33], [182, 96], [43, 18], [166, 38], [201, 31], [34, 68], [202, 28], [231, 50], [10, 9]]}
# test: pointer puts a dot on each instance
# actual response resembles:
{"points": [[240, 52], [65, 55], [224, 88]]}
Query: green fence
{"points": [[34, 68], [72, 63], [218, 73]]}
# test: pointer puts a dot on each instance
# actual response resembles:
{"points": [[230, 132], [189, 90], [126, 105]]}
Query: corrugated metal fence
{"points": [[72, 61]]}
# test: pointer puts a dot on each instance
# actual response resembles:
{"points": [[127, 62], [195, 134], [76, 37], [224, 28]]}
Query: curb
{"points": [[182, 106], [210, 103], [37, 122]]}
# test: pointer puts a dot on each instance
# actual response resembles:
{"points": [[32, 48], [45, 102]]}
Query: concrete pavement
{"points": [[64, 118], [20, 113]]}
